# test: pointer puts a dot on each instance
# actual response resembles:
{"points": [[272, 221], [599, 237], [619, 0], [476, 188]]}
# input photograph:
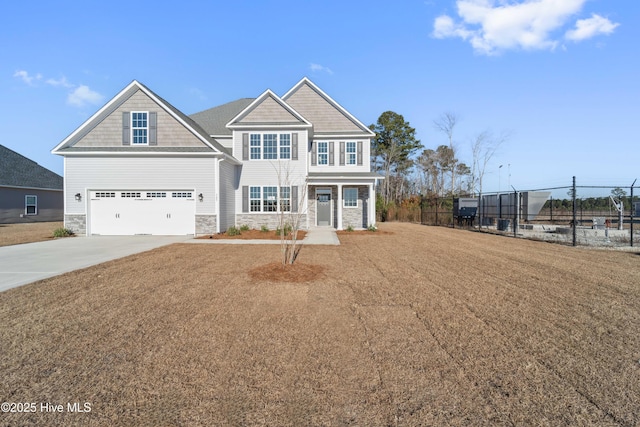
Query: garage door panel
{"points": [[142, 212]]}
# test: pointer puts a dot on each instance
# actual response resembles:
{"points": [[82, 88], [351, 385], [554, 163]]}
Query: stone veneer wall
{"points": [[272, 221], [206, 224], [76, 223], [357, 216]]}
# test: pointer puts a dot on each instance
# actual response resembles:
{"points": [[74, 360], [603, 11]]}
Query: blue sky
{"points": [[562, 76]]}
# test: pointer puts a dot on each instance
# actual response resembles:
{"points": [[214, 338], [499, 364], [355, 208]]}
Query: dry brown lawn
{"points": [[420, 326], [15, 234]]}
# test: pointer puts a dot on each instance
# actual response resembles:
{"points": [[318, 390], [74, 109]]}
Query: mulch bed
{"points": [[252, 235]]}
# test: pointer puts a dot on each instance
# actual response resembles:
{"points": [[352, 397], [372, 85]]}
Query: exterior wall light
{"points": [[78, 197], [200, 197]]}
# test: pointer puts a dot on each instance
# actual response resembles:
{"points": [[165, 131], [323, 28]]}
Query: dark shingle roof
{"points": [[18, 171], [214, 119]]}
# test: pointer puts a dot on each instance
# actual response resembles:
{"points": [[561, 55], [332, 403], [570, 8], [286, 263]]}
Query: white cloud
{"points": [[21, 74], [320, 68], [493, 26], [60, 82], [82, 96], [587, 28]]}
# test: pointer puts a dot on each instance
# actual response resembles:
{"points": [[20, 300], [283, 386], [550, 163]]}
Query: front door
{"points": [[323, 211]]}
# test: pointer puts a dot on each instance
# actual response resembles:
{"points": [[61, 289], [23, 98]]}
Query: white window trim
{"points": [[344, 198], [262, 199], [278, 145], [347, 153], [26, 205], [132, 128], [318, 153]]}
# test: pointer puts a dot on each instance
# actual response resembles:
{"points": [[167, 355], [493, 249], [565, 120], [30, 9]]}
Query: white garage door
{"points": [[126, 212]]}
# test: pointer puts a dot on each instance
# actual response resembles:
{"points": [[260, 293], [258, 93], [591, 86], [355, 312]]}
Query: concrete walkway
{"points": [[315, 236], [26, 263]]}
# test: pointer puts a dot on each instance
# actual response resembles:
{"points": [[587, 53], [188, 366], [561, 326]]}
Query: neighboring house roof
{"points": [[66, 145], [214, 120], [19, 171]]}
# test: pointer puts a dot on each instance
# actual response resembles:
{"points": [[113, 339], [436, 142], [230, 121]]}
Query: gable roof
{"points": [[268, 110], [19, 171], [67, 144], [327, 116], [214, 120]]}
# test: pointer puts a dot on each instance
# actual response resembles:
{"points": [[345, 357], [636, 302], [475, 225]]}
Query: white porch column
{"points": [[339, 207], [372, 206]]}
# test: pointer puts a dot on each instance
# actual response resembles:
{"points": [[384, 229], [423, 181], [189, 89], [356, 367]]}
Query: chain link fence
{"points": [[578, 215]]}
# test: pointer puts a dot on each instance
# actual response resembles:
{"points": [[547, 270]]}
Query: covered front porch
{"points": [[341, 201]]}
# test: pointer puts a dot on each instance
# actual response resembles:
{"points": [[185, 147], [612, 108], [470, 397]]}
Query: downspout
{"points": [[218, 192]]}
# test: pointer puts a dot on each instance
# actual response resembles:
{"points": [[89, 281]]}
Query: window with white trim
{"points": [[285, 199], [139, 127], [285, 146], [350, 198], [269, 199], [255, 199], [351, 153], [256, 148], [269, 146], [323, 153], [31, 205]]}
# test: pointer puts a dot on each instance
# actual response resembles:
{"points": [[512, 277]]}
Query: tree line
{"points": [[411, 169]]}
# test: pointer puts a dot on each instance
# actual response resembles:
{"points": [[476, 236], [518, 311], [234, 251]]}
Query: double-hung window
{"points": [[270, 146], [350, 198], [256, 147], [351, 153], [31, 205], [269, 199], [254, 199], [323, 153], [285, 146], [285, 199], [139, 127]]}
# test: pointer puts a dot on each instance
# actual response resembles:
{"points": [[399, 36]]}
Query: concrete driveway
{"points": [[22, 264]]}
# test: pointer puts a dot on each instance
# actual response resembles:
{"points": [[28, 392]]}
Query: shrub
{"points": [[372, 228], [233, 231], [264, 228], [287, 230], [350, 228], [62, 232], [244, 227]]}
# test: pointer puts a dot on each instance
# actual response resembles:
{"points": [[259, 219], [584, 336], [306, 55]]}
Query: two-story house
{"points": [[141, 166]]}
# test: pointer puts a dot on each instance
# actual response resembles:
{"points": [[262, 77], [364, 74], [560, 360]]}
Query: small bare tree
{"points": [[483, 149], [292, 196], [446, 124]]}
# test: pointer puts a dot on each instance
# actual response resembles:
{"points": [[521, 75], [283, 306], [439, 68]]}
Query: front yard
{"points": [[417, 326], [15, 234]]}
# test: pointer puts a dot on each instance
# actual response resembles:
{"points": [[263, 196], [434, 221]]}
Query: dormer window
{"points": [[139, 128]]}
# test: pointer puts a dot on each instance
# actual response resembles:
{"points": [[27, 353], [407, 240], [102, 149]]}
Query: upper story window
{"points": [[31, 205], [323, 153], [139, 128], [351, 153], [270, 146], [256, 147], [285, 146]]}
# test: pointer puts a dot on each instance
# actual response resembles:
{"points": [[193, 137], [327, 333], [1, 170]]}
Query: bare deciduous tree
{"points": [[483, 148], [446, 124]]}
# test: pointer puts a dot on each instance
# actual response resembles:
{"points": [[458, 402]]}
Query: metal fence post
{"points": [[575, 225], [632, 206]]}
